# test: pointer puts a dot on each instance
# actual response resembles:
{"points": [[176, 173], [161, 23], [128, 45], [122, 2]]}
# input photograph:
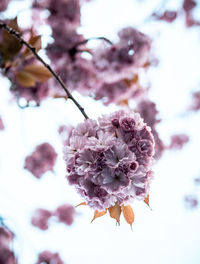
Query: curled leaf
{"points": [[128, 214], [98, 214], [115, 212]]}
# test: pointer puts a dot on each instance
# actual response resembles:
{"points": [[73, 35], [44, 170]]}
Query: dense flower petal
{"points": [[110, 160]]}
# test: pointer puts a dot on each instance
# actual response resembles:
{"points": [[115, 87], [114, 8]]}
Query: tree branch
{"points": [[47, 66], [94, 38]]}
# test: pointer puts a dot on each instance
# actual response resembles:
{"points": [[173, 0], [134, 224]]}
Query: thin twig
{"points": [[73, 50], [17, 35], [93, 38]]}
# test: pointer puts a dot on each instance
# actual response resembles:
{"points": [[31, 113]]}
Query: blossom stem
{"points": [[17, 35]]}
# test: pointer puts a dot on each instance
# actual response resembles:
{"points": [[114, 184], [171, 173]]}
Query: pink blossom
{"points": [[36, 94], [197, 180], [178, 141], [148, 111], [41, 160], [189, 5], [191, 201], [191, 21], [159, 145], [117, 91], [167, 16], [65, 133], [195, 104], [6, 236], [65, 214], [124, 57], [41, 218], [65, 38], [77, 73], [114, 162], [6, 254], [81, 75], [66, 10], [48, 257], [1, 124], [4, 5]]}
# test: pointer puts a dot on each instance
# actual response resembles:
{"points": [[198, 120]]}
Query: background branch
{"points": [[47, 66]]}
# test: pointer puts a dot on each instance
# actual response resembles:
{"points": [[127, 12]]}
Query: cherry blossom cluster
{"points": [[41, 160], [119, 65], [67, 11], [6, 240], [187, 9], [109, 160], [63, 214], [112, 72]]}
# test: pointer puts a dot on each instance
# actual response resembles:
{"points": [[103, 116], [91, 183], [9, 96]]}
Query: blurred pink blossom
{"points": [[41, 218], [41, 160]]}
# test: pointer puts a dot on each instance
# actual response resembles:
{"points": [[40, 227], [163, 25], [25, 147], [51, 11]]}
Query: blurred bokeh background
{"points": [[169, 233]]}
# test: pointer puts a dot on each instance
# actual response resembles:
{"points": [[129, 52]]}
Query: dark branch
{"points": [[33, 50]]}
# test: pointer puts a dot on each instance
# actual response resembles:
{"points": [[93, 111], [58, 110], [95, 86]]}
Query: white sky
{"points": [[169, 233]]}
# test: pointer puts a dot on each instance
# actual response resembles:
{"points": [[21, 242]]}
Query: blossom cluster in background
{"points": [[41, 160], [63, 214], [7, 255], [186, 10]]}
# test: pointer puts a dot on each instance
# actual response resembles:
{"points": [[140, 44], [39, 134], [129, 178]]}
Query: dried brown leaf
{"points": [[146, 200], [57, 96], [39, 72], [25, 79], [10, 45], [128, 214], [83, 203], [115, 212], [98, 214], [36, 42], [130, 82], [124, 102]]}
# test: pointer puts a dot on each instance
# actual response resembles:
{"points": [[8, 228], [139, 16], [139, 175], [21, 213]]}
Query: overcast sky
{"points": [[169, 233]]}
